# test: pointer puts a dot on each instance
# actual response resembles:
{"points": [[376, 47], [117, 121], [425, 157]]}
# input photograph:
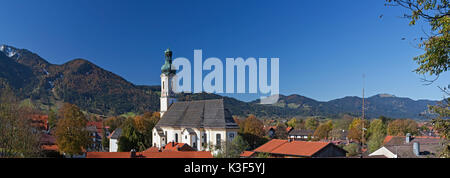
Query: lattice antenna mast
{"points": [[363, 116]]}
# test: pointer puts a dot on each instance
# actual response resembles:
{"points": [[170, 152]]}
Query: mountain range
{"points": [[99, 91]]}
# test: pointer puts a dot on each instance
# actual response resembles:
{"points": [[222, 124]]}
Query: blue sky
{"points": [[324, 46]]}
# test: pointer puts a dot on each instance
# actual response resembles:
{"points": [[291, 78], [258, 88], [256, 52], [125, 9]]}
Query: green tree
{"points": [[311, 123], [352, 149], [105, 140], [52, 119], [435, 60], [436, 45], [130, 138], [71, 134], [377, 133], [234, 148], [296, 123]]}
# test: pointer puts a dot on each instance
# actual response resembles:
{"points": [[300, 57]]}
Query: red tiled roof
{"points": [[108, 155], [181, 154], [152, 149], [271, 145], [98, 125], [247, 153], [387, 139], [288, 129], [39, 121], [174, 146], [299, 148]]}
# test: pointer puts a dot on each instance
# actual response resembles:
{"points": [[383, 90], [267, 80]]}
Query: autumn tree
{"points": [[252, 129], [71, 134], [281, 131], [17, 138], [355, 129], [401, 127], [323, 131]]}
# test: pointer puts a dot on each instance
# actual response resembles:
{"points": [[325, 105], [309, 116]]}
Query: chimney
{"points": [[416, 148], [133, 153], [408, 137]]}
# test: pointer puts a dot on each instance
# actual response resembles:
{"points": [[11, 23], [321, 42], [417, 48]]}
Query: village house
{"points": [[96, 130], [276, 148], [301, 134], [114, 140], [271, 130], [40, 123], [409, 147], [202, 124]]}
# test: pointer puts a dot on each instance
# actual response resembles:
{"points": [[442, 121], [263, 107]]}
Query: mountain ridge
{"points": [[99, 91]]}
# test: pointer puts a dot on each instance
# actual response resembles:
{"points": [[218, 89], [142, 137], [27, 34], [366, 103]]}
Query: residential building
{"points": [[114, 140], [410, 147], [276, 148], [301, 134]]}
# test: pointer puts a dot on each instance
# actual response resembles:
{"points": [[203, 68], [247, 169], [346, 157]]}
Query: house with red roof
{"points": [[147, 154], [277, 148], [40, 122]]}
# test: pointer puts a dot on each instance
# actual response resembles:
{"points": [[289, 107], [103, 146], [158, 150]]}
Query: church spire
{"points": [[167, 83]]}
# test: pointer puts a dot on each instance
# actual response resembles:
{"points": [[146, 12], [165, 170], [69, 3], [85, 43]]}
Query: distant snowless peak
{"points": [[386, 95]]}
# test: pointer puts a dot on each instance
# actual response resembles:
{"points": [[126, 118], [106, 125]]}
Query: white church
{"points": [[202, 124]]}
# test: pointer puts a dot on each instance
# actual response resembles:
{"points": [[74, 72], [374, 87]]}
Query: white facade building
{"points": [[114, 140]]}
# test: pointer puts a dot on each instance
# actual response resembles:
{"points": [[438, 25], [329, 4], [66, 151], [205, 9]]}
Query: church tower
{"points": [[167, 83]]}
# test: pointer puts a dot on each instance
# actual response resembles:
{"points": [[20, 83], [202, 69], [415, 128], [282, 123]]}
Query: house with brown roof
{"points": [[277, 148], [409, 147]]}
